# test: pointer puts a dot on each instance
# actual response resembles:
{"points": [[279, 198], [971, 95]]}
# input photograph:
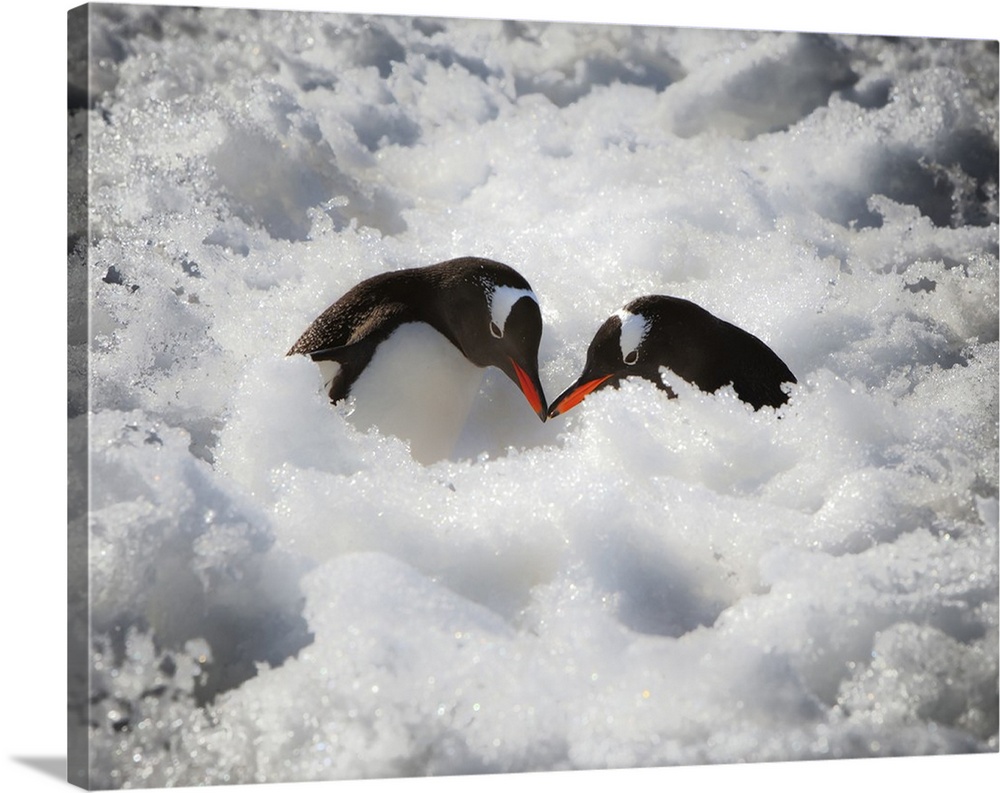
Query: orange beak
{"points": [[574, 396], [530, 391]]}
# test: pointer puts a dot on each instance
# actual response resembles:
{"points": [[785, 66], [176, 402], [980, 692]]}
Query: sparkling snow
{"points": [[278, 595]]}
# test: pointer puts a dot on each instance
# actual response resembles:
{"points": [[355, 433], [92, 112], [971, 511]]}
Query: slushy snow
{"points": [[277, 594]]}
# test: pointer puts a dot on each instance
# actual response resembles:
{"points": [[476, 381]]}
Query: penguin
{"points": [[656, 331], [410, 346]]}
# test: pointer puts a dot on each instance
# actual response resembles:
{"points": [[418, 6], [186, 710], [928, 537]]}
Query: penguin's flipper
{"points": [[345, 353], [345, 337], [352, 360]]}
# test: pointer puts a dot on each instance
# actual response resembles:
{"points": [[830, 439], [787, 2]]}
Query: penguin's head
{"points": [[616, 351], [506, 335]]}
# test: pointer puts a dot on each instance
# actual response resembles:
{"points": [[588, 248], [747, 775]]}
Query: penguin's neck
{"points": [[418, 387]]}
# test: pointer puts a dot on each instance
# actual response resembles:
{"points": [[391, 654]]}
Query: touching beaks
{"points": [[532, 390], [574, 395]]}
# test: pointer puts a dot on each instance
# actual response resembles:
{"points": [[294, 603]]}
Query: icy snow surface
{"points": [[277, 595]]}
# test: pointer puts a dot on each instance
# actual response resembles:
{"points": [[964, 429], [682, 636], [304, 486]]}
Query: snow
{"points": [[278, 594]]}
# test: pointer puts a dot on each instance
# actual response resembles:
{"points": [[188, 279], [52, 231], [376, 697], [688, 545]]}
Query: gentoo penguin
{"points": [[657, 330], [401, 344]]}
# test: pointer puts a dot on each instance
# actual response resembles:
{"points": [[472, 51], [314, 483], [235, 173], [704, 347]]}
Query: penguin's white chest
{"points": [[418, 387]]}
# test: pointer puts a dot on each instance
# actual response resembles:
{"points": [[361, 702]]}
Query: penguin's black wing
{"points": [[348, 332]]}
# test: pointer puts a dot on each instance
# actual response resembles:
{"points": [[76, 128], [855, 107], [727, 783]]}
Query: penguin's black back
{"points": [[373, 307]]}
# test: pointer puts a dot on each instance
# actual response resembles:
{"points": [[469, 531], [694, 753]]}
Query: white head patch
{"points": [[502, 300], [634, 330]]}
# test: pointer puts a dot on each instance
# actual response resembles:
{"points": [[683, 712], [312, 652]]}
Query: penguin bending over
{"points": [[658, 330], [409, 347]]}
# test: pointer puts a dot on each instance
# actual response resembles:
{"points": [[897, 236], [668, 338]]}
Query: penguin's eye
{"points": [[495, 330], [632, 357]]}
